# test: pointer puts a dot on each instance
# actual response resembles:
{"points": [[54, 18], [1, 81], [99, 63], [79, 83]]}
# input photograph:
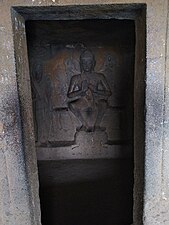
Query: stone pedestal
{"points": [[91, 145]]}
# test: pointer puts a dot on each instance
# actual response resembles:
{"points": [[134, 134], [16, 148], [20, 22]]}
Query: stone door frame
{"points": [[19, 197]]}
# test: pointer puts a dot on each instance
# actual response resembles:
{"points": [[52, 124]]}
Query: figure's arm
{"points": [[106, 89], [72, 93]]}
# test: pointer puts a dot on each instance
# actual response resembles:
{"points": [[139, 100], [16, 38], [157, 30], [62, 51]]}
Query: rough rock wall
{"points": [[18, 188]]}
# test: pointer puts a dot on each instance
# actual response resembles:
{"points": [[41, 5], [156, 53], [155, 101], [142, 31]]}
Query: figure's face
{"points": [[87, 64]]}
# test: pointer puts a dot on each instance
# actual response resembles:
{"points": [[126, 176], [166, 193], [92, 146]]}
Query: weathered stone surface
{"points": [[87, 146], [16, 193], [95, 179], [55, 56]]}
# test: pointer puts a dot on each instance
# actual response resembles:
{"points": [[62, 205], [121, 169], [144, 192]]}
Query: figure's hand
{"points": [[91, 87], [84, 85]]}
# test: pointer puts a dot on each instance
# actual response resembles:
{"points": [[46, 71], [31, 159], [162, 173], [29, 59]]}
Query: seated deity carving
{"points": [[88, 92]]}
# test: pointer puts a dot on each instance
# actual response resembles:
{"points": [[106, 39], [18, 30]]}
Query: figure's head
{"points": [[87, 61]]}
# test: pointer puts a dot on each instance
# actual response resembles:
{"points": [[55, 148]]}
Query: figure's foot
{"points": [[90, 129], [82, 128], [98, 128], [86, 128]]}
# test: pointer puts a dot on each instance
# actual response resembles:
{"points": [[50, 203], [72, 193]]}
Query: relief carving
{"points": [[72, 102], [89, 92], [41, 87]]}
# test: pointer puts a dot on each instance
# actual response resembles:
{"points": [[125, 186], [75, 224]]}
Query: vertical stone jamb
{"points": [[24, 91], [155, 82], [165, 159], [14, 194], [139, 126]]}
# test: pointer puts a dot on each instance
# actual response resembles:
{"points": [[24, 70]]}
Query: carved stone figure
{"points": [[89, 92]]}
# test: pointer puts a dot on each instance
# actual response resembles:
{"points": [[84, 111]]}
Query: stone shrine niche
{"points": [[82, 87]]}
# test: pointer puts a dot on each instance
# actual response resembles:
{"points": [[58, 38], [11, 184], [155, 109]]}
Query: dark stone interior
{"points": [[85, 190]]}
